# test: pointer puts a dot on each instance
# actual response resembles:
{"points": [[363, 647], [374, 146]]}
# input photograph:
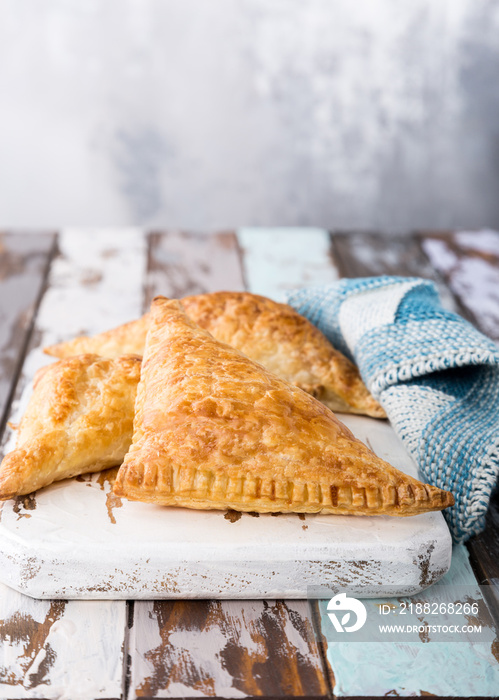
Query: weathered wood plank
{"points": [[279, 259], [469, 263], [60, 649], [24, 260], [361, 254], [225, 649], [182, 263], [377, 254], [217, 648], [95, 282], [484, 554]]}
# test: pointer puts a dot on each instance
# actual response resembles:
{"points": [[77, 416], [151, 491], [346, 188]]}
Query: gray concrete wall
{"points": [[217, 113]]}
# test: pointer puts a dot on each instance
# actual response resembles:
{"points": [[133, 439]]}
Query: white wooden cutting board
{"points": [[74, 539]]}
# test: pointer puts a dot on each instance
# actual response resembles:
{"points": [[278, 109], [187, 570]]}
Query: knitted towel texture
{"points": [[435, 375]]}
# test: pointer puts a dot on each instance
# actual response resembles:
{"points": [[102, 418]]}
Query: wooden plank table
{"points": [[56, 285]]}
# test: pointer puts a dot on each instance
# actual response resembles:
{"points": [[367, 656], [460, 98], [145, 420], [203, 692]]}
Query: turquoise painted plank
{"points": [[414, 668], [278, 259]]}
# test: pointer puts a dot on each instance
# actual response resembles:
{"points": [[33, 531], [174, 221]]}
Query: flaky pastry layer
{"points": [[79, 419]]}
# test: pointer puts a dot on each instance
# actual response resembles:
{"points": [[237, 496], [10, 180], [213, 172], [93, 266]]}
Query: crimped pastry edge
{"points": [[192, 487]]}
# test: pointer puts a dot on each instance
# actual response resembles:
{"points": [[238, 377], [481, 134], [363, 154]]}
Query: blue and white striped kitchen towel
{"points": [[435, 375]]}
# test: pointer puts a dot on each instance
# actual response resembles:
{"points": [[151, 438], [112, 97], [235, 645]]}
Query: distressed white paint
{"points": [[485, 241], [186, 263], [94, 284], [475, 281], [70, 548], [96, 281], [242, 618], [279, 259], [201, 649], [440, 254], [290, 632], [472, 278], [85, 643]]}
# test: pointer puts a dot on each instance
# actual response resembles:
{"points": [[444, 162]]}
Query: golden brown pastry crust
{"points": [[273, 334], [127, 339], [79, 419], [215, 430]]}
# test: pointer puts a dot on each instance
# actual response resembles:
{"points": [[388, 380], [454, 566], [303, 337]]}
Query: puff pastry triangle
{"points": [[79, 419], [215, 430], [270, 333]]}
